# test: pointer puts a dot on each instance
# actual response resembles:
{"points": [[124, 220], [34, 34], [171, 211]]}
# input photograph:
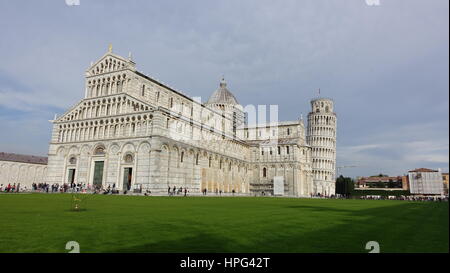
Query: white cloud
{"points": [[395, 152]]}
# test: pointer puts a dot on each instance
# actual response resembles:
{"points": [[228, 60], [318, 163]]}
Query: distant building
{"points": [[23, 169], [425, 181], [405, 183], [380, 182], [445, 182]]}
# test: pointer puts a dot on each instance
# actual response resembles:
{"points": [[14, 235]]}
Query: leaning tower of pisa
{"points": [[321, 136]]}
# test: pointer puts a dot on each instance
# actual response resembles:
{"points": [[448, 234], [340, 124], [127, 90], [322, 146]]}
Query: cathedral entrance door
{"points": [[127, 174], [71, 176], [98, 174]]}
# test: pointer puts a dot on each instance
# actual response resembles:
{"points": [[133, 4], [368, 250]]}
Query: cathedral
{"points": [[134, 133]]}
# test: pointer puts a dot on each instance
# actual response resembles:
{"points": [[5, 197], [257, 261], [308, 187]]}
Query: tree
{"points": [[344, 185]]}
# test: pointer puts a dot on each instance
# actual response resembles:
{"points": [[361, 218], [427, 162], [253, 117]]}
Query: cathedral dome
{"points": [[222, 95]]}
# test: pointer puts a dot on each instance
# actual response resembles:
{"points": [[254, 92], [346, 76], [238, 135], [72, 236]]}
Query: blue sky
{"points": [[386, 66]]}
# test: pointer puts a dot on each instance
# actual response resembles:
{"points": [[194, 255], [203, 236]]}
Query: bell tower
{"points": [[321, 136]]}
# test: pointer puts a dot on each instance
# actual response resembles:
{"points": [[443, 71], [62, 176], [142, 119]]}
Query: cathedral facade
{"points": [[135, 133]]}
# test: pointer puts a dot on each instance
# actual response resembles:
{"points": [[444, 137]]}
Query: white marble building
{"points": [[23, 170], [134, 132]]}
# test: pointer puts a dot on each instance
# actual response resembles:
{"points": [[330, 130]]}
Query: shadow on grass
{"points": [[202, 242], [391, 226], [316, 208]]}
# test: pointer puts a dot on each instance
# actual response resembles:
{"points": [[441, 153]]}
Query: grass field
{"points": [[44, 223]]}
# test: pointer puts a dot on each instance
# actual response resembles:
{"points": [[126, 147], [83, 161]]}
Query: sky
{"points": [[386, 67]]}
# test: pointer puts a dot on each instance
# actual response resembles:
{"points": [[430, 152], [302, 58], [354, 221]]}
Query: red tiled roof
{"points": [[23, 158], [379, 179], [423, 170]]}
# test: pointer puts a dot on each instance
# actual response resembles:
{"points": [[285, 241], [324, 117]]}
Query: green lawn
{"points": [[44, 223]]}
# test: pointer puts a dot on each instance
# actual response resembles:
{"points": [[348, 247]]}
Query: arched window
{"points": [[143, 90], [182, 157], [264, 172]]}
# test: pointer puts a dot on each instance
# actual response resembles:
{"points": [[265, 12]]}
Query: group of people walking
{"points": [[407, 198], [175, 191], [217, 192], [56, 187], [10, 188]]}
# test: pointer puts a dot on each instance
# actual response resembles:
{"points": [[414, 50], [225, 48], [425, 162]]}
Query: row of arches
{"points": [[213, 160], [323, 152], [106, 107], [321, 131], [323, 164], [185, 131], [107, 65], [285, 150], [269, 171], [24, 173], [201, 169], [131, 126], [324, 188], [258, 133], [322, 119], [323, 175], [78, 163], [321, 141], [104, 86]]}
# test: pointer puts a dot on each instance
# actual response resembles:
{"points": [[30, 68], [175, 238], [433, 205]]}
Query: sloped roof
{"points": [[423, 170], [379, 178], [23, 158]]}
